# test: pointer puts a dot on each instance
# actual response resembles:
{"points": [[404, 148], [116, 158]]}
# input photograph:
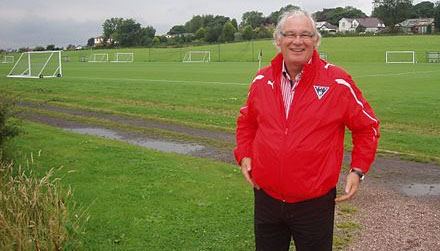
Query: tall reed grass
{"points": [[37, 213]]}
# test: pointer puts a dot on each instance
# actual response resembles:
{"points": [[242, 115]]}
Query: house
{"points": [[99, 41], [417, 26], [368, 24], [326, 26]]}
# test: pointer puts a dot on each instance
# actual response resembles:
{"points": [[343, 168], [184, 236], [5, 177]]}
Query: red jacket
{"points": [[300, 158]]}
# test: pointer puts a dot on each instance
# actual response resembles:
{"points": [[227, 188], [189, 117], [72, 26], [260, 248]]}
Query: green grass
{"points": [[142, 199], [403, 96], [146, 200]]}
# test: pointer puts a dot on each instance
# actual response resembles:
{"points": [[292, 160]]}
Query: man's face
{"points": [[297, 40]]}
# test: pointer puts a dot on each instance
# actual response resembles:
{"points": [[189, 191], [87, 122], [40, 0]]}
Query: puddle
{"points": [[165, 146], [421, 189]]}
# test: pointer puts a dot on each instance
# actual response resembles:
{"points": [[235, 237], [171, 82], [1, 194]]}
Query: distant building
{"points": [[99, 41], [368, 24], [326, 26], [417, 26]]}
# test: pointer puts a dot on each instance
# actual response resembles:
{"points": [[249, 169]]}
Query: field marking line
{"points": [[165, 80], [244, 84], [394, 74], [404, 153]]}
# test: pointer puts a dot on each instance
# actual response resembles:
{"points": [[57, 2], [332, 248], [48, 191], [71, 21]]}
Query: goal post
{"points": [[8, 60], [197, 57], [123, 57], [98, 58], [433, 56], [400, 57], [37, 64], [323, 55]]}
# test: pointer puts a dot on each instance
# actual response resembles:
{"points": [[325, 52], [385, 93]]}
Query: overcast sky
{"points": [[61, 22]]}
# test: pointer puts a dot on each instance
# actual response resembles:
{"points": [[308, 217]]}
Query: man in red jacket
{"points": [[290, 140]]}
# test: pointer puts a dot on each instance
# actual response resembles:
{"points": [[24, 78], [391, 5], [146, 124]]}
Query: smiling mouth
{"points": [[297, 50]]}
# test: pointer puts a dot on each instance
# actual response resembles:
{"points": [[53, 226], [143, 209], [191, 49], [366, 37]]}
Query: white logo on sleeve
{"points": [[321, 90], [270, 83], [258, 77]]}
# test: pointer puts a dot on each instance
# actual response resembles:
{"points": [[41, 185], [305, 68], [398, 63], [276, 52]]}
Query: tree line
{"points": [[216, 28]]}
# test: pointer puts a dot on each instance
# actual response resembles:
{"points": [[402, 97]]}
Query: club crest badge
{"points": [[321, 90]]}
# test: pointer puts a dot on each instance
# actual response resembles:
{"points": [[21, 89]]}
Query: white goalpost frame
{"points": [[95, 55], [413, 53], [323, 55], [27, 73], [129, 54], [433, 56], [6, 61], [189, 57]]}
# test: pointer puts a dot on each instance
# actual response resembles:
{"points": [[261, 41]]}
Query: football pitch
{"points": [[140, 199], [209, 95]]}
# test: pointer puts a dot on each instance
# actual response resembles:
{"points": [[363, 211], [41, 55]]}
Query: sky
{"points": [[30, 23]]}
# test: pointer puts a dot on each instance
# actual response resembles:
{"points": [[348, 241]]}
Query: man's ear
{"points": [[278, 41]]}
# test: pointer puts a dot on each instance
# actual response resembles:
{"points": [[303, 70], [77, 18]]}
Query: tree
{"points": [[263, 32], [274, 16], [333, 15], [252, 18], [110, 26], [50, 47], [91, 42], [248, 32], [177, 30], [156, 41], [127, 32], [392, 12], [423, 10], [234, 23], [228, 32], [200, 33], [437, 17], [145, 36], [213, 33], [194, 24]]}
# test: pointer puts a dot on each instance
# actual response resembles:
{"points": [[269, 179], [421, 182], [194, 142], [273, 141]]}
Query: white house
{"points": [[368, 24], [417, 26], [326, 26], [100, 41]]}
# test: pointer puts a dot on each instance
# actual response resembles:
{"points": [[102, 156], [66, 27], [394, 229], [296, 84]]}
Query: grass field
{"points": [[158, 87], [209, 95]]}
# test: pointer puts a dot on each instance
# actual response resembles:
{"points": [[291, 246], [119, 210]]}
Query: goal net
{"points": [[400, 57], [323, 55], [197, 57], [37, 64], [8, 60], [98, 58], [433, 56], [123, 58]]}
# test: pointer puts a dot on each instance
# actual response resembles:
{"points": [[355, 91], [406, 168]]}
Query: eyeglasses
{"points": [[303, 36]]}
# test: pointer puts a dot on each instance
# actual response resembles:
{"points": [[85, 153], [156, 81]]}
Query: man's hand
{"points": [[351, 187], [246, 167]]}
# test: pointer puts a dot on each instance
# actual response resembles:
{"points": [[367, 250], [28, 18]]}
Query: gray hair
{"points": [[293, 13]]}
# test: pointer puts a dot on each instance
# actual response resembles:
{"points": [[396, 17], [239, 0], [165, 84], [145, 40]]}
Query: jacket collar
{"points": [[277, 65]]}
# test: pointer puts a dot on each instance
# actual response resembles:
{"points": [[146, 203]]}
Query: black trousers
{"points": [[309, 223]]}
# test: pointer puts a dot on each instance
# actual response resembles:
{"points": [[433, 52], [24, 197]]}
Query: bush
{"points": [[34, 214], [9, 124]]}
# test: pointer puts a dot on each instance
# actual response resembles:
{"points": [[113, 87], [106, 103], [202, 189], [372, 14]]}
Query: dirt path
{"points": [[398, 205]]}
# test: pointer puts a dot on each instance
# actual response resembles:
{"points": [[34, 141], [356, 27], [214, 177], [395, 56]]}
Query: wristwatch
{"points": [[359, 173]]}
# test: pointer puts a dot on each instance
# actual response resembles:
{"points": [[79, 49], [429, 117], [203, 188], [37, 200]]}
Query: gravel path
{"points": [[398, 204], [392, 221]]}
